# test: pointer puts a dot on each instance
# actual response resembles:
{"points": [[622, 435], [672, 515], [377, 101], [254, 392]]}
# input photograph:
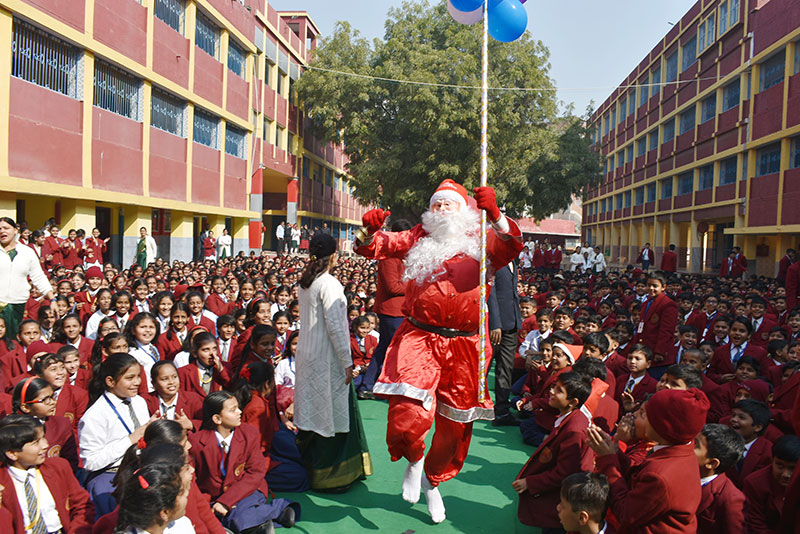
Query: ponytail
{"points": [[312, 271]]}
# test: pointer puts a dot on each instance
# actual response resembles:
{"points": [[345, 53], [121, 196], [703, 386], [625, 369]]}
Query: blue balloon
{"points": [[507, 20], [466, 5]]}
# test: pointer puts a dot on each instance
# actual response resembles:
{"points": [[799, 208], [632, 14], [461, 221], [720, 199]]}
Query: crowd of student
{"points": [[666, 400]]}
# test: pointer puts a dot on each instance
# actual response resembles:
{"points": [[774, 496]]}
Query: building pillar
{"points": [[8, 206], [77, 214], [292, 194], [660, 244], [695, 240], [135, 218], [240, 230], [181, 238]]}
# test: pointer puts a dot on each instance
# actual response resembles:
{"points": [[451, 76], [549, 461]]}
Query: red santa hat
{"points": [[757, 388], [691, 405], [573, 352], [94, 272], [450, 190]]}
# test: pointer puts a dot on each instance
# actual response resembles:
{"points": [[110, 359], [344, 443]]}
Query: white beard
{"points": [[449, 235]]}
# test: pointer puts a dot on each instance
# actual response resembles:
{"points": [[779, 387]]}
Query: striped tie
{"points": [[136, 423], [36, 525]]}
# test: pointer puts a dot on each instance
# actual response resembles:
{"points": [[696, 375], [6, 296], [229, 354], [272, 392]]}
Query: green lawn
{"points": [[479, 499]]}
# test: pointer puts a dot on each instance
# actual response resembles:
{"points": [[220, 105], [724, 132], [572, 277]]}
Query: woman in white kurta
{"points": [[224, 244], [331, 438]]}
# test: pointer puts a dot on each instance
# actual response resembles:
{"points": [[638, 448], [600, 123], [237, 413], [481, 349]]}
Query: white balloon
{"points": [[467, 18]]}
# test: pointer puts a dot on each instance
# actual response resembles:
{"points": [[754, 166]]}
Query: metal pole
{"points": [[484, 172]]}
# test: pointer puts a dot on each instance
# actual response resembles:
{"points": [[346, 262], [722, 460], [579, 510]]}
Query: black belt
{"points": [[440, 330]]}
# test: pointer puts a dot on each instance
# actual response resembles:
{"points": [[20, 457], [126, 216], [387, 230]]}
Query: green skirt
{"points": [[12, 315], [336, 462]]}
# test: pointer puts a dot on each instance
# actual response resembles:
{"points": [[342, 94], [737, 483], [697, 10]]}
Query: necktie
{"points": [[224, 446], [181, 337], [755, 325], [629, 387], [136, 423], [680, 354], [225, 351], [36, 525], [165, 410], [735, 354], [206, 380]]}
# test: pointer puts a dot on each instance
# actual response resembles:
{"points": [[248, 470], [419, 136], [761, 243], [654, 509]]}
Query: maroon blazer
{"points": [[759, 455], [669, 261], [169, 344], [763, 502], [760, 337], [13, 365], [783, 398], [188, 401], [61, 440], [659, 321], [217, 306], [705, 325], [783, 267], [189, 375], [607, 413], [792, 285], [617, 364], [363, 357], [72, 403], [85, 349], [671, 474], [205, 322], [721, 508], [75, 510], [721, 360], [245, 468], [645, 386], [391, 289], [562, 453]]}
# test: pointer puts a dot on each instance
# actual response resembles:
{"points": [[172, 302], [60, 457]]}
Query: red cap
{"points": [[677, 415], [450, 190], [94, 272], [758, 389]]}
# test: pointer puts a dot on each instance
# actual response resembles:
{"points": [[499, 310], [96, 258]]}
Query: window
{"points": [[167, 113], [727, 171], [117, 91], [794, 161], [772, 70], [632, 103], [234, 141], [605, 125], [206, 36], [279, 82], [621, 158], [706, 180], [278, 141], [613, 118], [728, 15], [629, 153], [641, 146], [669, 130], [796, 58], [640, 196], [769, 159], [687, 120], [306, 167], [329, 177], [730, 95], [685, 183], [666, 188], [628, 195], [689, 53], [290, 143], [206, 129], [643, 91], [171, 12], [623, 108], [705, 33], [40, 58], [619, 201], [709, 110], [237, 59], [266, 130], [672, 67], [653, 139], [655, 80], [651, 193]]}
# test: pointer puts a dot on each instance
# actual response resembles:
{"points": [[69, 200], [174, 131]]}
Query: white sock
{"points": [[411, 480], [434, 500]]}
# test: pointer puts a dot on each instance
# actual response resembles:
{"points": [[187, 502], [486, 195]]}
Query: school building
{"points": [[175, 115], [702, 142]]}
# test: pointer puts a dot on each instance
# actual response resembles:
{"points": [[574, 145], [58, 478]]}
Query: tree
{"points": [[403, 139]]}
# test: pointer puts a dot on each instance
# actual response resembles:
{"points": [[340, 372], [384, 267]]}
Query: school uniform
{"points": [[657, 326], [71, 253], [52, 247], [671, 474], [80, 379], [93, 250], [170, 343], [285, 471], [187, 402], [61, 440], [534, 429], [103, 438], [190, 377], [85, 347], [71, 403], [606, 414], [760, 336], [782, 404], [86, 299], [617, 364], [203, 321], [122, 320], [721, 507], [709, 386], [703, 322], [361, 350], [641, 387], [140, 306], [13, 366], [725, 357], [234, 479], [562, 453], [757, 455], [61, 501], [576, 339], [236, 354], [219, 305], [763, 502], [147, 356]]}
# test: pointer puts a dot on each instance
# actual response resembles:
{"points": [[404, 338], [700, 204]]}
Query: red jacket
{"points": [[75, 510], [733, 267], [563, 452], [61, 440], [783, 266], [391, 288], [721, 361], [72, 403], [646, 254], [760, 337], [13, 366], [645, 386], [219, 307], [71, 252], [52, 247], [669, 261], [169, 345], [189, 403], [189, 375], [363, 357], [93, 250], [658, 323], [262, 414], [763, 502], [617, 364], [670, 473], [245, 468], [759, 455], [792, 285], [721, 508], [704, 324], [205, 322]]}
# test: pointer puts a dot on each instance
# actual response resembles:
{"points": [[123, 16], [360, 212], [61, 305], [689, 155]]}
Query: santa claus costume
{"points": [[432, 367]]}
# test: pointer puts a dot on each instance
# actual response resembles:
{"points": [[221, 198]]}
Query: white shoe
{"points": [[412, 479], [434, 500]]}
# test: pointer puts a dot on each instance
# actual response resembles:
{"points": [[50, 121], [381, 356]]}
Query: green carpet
{"points": [[479, 499]]}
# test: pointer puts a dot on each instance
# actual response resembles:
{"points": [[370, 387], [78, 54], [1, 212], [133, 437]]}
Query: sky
{"points": [[593, 44]]}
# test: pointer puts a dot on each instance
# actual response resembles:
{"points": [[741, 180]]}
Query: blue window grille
{"points": [[167, 113], [235, 141], [206, 129], [117, 91], [40, 58]]}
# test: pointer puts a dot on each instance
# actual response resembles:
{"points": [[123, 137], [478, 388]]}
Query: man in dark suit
{"points": [[504, 322]]}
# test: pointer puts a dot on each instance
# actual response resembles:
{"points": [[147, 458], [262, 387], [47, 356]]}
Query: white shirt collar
{"points": [[227, 440], [747, 446], [635, 380], [706, 480], [560, 419], [21, 474]]}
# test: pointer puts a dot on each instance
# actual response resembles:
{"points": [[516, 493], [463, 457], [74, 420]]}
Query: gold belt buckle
{"points": [[3, 306]]}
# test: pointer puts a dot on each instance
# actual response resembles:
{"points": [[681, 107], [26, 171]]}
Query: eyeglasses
{"points": [[48, 399]]}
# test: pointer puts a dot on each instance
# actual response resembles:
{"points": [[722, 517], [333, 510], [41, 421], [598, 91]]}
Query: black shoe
{"points": [[505, 420], [287, 517], [266, 528], [366, 395]]}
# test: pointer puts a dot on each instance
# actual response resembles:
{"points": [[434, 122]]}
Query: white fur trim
{"points": [[447, 194], [566, 351], [501, 225]]}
